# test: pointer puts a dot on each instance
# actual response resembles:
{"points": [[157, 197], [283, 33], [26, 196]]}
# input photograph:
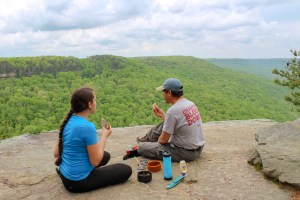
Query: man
{"points": [[180, 133]]}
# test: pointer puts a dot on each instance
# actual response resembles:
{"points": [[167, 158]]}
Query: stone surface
{"points": [[222, 172], [278, 151]]}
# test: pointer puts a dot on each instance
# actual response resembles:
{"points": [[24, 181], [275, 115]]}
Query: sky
{"points": [[131, 28]]}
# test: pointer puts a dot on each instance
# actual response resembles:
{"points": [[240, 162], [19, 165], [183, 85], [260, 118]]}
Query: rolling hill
{"points": [[125, 88]]}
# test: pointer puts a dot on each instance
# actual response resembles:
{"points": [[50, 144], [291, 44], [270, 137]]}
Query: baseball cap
{"points": [[172, 84]]}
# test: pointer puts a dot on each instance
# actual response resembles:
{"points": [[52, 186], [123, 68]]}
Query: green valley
{"points": [[35, 91]]}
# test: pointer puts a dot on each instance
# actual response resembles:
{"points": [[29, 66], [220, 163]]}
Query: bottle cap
{"points": [[166, 153]]}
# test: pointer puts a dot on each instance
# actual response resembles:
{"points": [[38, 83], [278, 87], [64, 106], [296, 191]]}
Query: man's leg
{"points": [[152, 135], [151, 150]]}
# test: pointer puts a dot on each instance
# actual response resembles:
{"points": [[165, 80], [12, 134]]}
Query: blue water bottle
{"points": [[167, 164]]}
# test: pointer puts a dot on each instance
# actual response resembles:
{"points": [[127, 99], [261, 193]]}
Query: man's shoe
{"points": [[142, 139]]}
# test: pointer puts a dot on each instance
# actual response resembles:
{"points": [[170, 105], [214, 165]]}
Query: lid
{"points": [[166, 153]]}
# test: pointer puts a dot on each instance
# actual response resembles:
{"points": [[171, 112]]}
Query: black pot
{"points": [[144, 176]]}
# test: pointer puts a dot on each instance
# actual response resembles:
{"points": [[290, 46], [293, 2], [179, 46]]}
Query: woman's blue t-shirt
{"points": [[77, 135]]}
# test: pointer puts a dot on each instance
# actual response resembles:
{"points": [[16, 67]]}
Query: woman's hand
{"points": [[158, 111], [106, 131]]}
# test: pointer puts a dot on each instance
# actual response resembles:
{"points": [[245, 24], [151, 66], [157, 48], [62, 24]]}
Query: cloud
{"points": [[178, 7], [206, 28], [65, 15]]}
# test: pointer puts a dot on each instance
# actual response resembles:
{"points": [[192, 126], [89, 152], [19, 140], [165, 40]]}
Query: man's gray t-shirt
{"points": [[183, 121]]}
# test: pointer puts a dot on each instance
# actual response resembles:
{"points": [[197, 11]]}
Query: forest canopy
{"points": [[35, 91]]}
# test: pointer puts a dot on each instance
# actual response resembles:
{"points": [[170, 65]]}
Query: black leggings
{"points": [[99, 177]]}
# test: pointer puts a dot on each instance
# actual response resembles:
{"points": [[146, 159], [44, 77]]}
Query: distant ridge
{"points": [[261, 67]]}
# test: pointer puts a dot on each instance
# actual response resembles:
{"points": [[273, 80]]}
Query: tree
{"points": [[291, 78]]}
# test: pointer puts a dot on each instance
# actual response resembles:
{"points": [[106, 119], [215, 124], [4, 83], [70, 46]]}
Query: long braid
{"points": [[60, 143]]}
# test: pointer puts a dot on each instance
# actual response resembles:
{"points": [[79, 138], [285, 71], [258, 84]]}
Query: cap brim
{"points": [[160, 88]]}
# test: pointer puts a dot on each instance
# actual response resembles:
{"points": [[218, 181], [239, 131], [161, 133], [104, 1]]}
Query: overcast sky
{"points": [[200, 28]]}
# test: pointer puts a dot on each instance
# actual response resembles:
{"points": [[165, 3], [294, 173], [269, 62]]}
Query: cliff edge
{"points": [[27, 169]]}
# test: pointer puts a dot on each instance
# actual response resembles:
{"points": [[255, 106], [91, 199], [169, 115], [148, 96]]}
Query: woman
{"points": [[80, 156]]}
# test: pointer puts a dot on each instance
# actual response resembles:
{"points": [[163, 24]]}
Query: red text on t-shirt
{"points": [[191, 114]]}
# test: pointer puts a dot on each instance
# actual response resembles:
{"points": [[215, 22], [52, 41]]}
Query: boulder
{"points": [[278, 152]]}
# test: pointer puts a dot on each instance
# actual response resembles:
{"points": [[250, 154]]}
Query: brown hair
{"points": [[79, 102], [175, 94]]}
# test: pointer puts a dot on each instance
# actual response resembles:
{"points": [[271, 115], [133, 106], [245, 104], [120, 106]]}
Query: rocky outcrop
{"points": [[278, 152], [27, 168], [8, 75]]}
